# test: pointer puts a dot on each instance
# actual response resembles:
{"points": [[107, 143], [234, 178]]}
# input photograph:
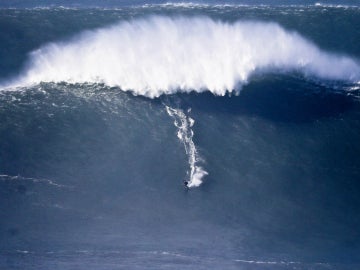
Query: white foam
{"points": [[5, 177], [185, 135], [324, 5], [162, 55]]}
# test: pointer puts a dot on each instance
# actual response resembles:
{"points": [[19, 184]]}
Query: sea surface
{"points": [[180, 135]]}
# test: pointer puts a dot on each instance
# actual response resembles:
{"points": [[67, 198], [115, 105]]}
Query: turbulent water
{"points": [[180, 136]]}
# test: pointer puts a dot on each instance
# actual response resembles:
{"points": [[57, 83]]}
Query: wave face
{"points": [[161, 55], [92, 176]]}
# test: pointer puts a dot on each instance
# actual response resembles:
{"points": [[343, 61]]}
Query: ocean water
{"points": [[179, 135]]}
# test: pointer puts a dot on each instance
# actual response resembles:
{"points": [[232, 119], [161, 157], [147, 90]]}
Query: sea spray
{"points": [[163, 55], [185, 135]]}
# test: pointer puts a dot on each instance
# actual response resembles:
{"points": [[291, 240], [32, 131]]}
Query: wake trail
{"points": [[185, 134]]}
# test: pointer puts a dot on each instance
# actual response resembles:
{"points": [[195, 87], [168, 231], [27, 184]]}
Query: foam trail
{"points": [[185, 135], [5, 177], [162, 55]]}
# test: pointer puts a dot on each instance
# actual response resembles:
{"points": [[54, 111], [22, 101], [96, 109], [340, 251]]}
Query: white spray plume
{"points": [[162, 55]]}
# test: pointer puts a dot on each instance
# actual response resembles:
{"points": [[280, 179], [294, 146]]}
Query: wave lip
{"points": [[162, 55]]}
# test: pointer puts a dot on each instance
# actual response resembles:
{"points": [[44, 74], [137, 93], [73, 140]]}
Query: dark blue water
{"points": [[91, 175]]}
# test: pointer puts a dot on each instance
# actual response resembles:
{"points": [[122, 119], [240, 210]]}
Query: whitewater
{"points": [[160, 55], [185, 135]]}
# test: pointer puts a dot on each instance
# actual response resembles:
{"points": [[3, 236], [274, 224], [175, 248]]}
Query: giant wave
{"points": [[161, 55]]}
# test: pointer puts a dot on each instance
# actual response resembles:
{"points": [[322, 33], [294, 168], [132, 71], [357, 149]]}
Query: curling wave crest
{"points": [[162, 55]]}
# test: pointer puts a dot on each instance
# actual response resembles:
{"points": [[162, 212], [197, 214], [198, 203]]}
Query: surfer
{"points": [[186, 184]]}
